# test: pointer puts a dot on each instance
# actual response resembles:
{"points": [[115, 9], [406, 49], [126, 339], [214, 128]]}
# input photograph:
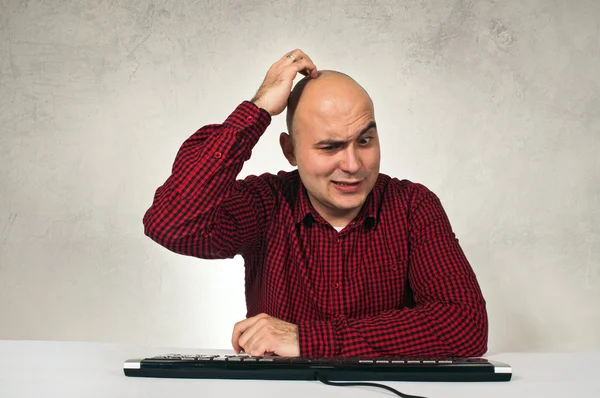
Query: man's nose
{"points": [[350, 162]]}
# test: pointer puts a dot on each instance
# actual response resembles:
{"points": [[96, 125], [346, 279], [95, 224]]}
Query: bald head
{"points": [[332, 139], [329, 95]]}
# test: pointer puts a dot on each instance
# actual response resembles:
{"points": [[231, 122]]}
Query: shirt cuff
{"points": [[250, 119], [317, 339]]}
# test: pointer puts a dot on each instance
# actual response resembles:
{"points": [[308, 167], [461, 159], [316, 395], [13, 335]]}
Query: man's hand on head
{"points": [[273, 94], [263, 334]]}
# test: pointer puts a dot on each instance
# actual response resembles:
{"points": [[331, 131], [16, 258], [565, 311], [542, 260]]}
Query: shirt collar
{"points": [[303, 207]]}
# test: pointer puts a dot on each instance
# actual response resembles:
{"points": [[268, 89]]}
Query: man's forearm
{"points": [[203, 174], [431, 330]]}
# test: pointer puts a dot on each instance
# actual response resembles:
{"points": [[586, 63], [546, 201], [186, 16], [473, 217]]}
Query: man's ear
{"points": [[287, 146]]}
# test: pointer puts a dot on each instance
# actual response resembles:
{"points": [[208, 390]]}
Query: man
{"points": [[339, 258]]}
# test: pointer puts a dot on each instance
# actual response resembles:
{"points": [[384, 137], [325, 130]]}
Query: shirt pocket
{"points": [[375, 287]]}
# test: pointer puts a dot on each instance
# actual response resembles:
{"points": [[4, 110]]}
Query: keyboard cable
{"points": [[352, 384]]}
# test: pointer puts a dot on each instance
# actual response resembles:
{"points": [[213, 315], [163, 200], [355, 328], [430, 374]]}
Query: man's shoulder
{"points": [[282, 183], [403, 188], [281, 178], [404, 195]]}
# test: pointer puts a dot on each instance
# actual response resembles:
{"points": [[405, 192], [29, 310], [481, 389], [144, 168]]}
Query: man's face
{"points": [[336, 148]]}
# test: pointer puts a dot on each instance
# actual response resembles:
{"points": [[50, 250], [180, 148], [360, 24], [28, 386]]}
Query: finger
{"points": [[312, 73], [256, 346], [256, 329], [303, 55], [302, 62], [262, 342], [235, 335], [305, 66], [297, 55], [311, 68], [240, 328], [256, 339], [235, 344], [293, 56]]}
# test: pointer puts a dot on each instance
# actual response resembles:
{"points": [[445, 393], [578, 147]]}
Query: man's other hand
{"points": [[273, 94], [262, 334]]}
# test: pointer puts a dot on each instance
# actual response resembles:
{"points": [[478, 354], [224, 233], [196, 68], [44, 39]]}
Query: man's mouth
{"points": [[347, 187], [347, 183]]}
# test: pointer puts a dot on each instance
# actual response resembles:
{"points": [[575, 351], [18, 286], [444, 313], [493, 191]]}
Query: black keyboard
{"points": [[333, 369]]}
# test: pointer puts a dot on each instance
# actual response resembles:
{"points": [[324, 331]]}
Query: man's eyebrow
{"points": [[331, 141]]}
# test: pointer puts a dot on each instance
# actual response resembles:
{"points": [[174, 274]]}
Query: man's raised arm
{"points": [[201, 210]]}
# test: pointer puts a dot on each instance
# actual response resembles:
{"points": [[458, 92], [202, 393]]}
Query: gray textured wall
{"points": [[494, 105]]}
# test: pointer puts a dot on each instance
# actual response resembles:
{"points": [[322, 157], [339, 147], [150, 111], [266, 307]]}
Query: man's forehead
{"points": [[334, 108], [328, 104], [349, 135], [313, 131]]}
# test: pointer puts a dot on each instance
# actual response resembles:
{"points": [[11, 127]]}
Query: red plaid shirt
{"points": [[393, 282]]}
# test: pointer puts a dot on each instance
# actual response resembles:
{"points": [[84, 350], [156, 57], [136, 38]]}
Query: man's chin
{"points": [[348, 206]]}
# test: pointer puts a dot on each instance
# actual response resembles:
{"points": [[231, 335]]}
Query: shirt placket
{"points": [[336, 287]]}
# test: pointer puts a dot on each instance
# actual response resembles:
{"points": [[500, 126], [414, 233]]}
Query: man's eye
{"points": [[365, 140]]}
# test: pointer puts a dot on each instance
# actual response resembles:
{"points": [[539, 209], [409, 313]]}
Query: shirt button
{"points": [[218, 155], [337, 240], [394, 268], [336, 285], [249, 119]]}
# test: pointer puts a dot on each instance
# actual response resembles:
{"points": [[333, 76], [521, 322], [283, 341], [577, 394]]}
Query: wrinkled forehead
{"points": [[333, 103], [320, 127], [333, 111]]}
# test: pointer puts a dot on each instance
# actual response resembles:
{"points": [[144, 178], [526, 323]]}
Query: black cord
{"points": [[352, 383]]}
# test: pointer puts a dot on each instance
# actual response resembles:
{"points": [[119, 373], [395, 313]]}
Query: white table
{"points": [[76, 370]]}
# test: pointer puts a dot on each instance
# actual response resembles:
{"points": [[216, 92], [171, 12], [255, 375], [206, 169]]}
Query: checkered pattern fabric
{"points": [[393, 282]]}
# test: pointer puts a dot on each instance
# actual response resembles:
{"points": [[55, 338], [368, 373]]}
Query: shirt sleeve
{"points": [[201, 209], [449, 318]]}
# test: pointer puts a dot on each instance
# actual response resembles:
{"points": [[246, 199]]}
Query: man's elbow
{"points": [[473, 341], [475, 347], [153, 230]]}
